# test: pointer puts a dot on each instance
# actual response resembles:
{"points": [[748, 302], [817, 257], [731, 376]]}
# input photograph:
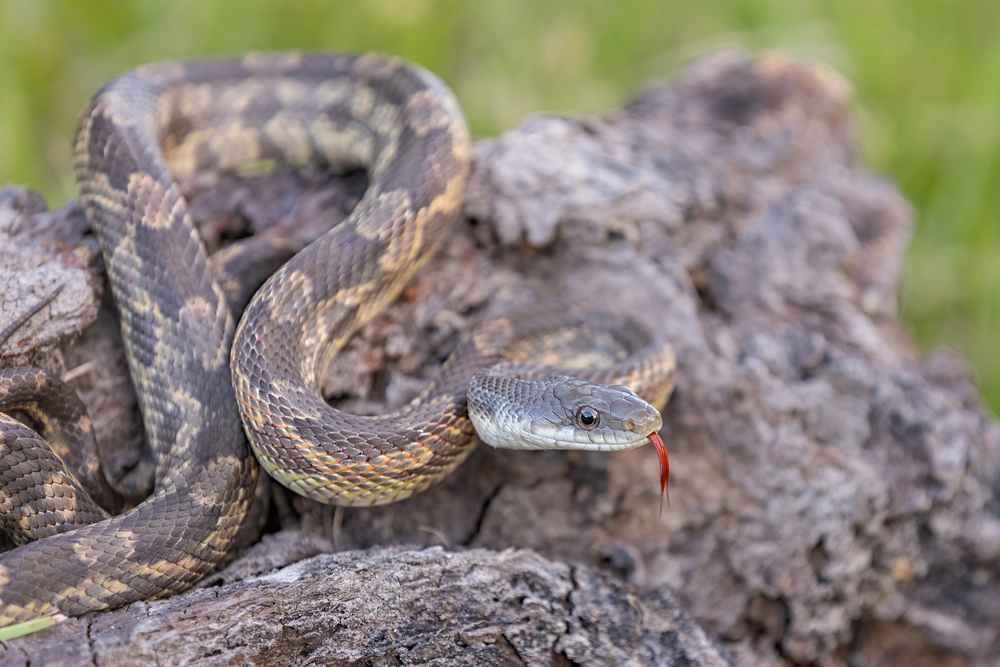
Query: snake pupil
{"points": [[588, 417]]}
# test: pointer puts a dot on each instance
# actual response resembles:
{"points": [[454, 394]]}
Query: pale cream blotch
{"points": [[199, 309], [385, 123], [153, 215], [193, 101], [196, 103], [362, 102], [274, 425], [223, 304], [126, 254], [298, 287], [291, 92], [183, 158], [382, 216], [405, 246], [26, 511], [386, 156], [101, 194], [161, 73], [385, 119], [194, 412], [287, 131], [312, 486], [235, 144], [81, 157], [238, 97], [129, 540], [111, 105], [376, 66], [331, 92], [450, 201], [366, 309], [424, 113], [87, 554], [272, 63], [207, 497], [343, 147], [326, 319], [167, 568], [200, 260], [13, 613], [461, 145], [314, 339]]}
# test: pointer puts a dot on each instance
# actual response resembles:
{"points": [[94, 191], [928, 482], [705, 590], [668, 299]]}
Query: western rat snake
{"points": [[156, 123]]}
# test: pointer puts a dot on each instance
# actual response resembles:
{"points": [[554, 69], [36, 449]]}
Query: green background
{"points": [[926, 75]]}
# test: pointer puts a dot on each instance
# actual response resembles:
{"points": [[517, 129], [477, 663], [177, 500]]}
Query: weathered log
{"points": [[392, 607], [833, 495]]}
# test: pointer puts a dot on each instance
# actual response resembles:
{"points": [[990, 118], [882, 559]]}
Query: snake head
{"points": [[559, 413]]}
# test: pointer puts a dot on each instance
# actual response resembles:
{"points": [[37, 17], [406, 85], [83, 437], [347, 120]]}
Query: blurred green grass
{"points": [[926, 72]]}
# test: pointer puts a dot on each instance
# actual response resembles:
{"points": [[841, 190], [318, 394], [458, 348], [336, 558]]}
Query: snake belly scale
{"points": [[196, 375]]}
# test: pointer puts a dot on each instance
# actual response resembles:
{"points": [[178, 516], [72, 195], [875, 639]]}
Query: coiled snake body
{"points": [[156, 123]]}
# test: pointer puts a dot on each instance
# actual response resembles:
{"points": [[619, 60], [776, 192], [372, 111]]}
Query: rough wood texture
{"points": [[40, 250], [394, 607], [833, 494]]}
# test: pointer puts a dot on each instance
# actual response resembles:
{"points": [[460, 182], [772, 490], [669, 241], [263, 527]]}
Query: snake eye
{"points": [[587, 417]]}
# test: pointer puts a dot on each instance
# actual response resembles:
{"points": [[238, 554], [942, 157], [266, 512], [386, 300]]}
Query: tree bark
{"points": [[391, 607]]}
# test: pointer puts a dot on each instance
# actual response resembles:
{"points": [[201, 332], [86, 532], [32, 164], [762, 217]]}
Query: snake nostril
{"points": [[630, 425]]}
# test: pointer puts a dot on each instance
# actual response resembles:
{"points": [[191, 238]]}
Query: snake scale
{"points": [[158, 123]]}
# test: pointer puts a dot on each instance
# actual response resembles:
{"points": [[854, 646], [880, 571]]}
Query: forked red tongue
{"points": [[661, 452]]}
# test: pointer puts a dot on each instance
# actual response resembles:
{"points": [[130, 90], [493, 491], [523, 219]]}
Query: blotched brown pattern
{"points": [[136, 136]]}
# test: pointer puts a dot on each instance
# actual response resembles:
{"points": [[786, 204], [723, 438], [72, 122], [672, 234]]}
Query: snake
{"points": [[207, 386]]}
